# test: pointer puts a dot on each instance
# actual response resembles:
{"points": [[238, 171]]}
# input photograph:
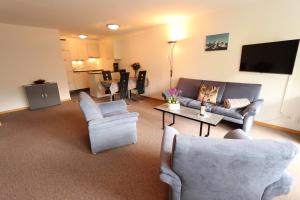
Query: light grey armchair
{"points": [[110, 125], [235, 168]]}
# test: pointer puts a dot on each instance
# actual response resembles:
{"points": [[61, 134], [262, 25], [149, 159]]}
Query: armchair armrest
{"points": [[281, 187], [253, 108], [237, 134], [167, 175], [112, 106], [114, 120]]}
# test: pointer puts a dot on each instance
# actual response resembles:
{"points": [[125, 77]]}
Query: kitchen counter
{"points": [[89, 70]]}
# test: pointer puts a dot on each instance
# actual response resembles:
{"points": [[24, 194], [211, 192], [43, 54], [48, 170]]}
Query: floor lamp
{"points": [[171, 59]]}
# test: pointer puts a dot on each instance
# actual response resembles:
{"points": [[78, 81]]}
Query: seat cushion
{"points": [[234, 113], [114, 113], [184, 100], [89, 108]]}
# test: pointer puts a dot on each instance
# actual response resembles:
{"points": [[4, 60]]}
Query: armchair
{"points": [[229, 169], [110, 125]]}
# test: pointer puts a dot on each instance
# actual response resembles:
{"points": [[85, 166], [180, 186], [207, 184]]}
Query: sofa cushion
{"points": [[189, 87], [184, 100], [219, 84], [241, 90], [196, 105], [89, 108], [234, 113]]}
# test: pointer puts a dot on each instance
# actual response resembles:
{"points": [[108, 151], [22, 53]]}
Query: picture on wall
{"points": [[217, 42]]}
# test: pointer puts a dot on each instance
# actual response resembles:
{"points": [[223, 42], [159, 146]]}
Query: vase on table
{"points": [[174, 106], [202, 108]]}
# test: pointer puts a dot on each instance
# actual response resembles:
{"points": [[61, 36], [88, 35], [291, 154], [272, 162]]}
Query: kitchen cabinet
{"points": [[42, 95], [78, 49], [92, 48], [80, 80], [110, 49]]}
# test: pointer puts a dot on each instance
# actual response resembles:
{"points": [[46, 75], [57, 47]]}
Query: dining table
{"points": [[113, 85]]}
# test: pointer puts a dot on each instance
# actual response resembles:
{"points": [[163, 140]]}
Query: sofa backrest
{"points": [[228, 169], [241, 90], [89, 108], [189, 87], [227, 90]]}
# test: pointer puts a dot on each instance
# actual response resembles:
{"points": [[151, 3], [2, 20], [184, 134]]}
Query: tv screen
{"points": [[273, 57]]}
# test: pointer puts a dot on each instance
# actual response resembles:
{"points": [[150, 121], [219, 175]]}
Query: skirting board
{"points": [[280, 128], [24, 108]]}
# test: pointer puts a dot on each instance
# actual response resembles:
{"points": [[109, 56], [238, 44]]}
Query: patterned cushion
{"points": [[208, 91]]}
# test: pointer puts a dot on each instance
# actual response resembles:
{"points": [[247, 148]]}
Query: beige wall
{"points": [[263, 23], [27, 54]]}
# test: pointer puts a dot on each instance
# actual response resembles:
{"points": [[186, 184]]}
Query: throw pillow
{"points": [[236, 103], [209, 92]]}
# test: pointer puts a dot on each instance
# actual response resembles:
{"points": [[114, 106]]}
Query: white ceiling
{"points": [[91, 16]]}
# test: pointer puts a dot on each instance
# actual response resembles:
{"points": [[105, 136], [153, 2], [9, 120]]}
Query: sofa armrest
{"points": [[112, 106], [253, 108], [281, 187], [167, 175], [237, 134], [114, 120]]}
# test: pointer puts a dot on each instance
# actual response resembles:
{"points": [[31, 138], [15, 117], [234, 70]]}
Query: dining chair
{"points": [[106, 75], [140, 83], [121, 71], [123, 85]]}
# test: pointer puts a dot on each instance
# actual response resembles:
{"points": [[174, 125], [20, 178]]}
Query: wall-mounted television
{"points": [[273, 57]]}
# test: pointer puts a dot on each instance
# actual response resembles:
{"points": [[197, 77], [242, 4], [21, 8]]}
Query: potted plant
{"points": [[172, 96], [135, 66]]}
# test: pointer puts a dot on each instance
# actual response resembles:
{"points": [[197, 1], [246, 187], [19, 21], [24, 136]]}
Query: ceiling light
{"points": [[113, 26], [82, 36]]}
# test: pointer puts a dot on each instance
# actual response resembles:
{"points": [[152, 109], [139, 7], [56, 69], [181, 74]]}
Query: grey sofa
{"points": [[110, 125], [227, 90], [198, 168]]}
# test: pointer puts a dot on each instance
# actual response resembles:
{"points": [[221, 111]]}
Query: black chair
{"points": [[123, 85], [122, 71], [140, 86], [106, 75], [140, 82]]}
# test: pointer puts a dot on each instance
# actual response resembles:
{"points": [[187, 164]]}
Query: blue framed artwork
{"points": [[217, 42]]}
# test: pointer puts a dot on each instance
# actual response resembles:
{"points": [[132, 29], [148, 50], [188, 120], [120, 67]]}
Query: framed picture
{"points": [[217, 42]]}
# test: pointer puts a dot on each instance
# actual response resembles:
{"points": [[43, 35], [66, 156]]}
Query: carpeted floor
{"points": [[45, 154]]}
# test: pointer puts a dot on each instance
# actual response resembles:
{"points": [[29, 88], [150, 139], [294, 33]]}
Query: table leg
{"points": [[173, 121], [163, 120], [200, 133], [208, 130]]}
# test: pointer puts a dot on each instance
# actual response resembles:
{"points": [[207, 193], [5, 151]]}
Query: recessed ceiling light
{"points": [[82, 36], [113, 26]]}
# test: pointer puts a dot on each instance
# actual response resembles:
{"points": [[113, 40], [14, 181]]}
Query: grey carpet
{"points": [[45, 154]]}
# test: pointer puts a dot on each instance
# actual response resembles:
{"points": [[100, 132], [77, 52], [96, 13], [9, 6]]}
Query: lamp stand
{"points": [[171, 59]]}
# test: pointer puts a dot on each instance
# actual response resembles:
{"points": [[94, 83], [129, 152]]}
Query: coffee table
{"points": [[210, 119]]}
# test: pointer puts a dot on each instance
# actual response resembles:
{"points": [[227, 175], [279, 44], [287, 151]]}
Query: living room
{"points": [[46, 152]]}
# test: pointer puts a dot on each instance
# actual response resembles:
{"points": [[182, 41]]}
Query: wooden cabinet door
{"points": [[73, 45], [80, 80], [82, 50], [92, 48]]}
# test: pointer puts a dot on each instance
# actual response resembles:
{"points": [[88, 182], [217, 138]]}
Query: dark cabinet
{"points": [[42, 95]]}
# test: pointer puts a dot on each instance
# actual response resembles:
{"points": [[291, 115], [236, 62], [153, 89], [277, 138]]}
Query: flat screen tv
{"points": [[273, 57]]}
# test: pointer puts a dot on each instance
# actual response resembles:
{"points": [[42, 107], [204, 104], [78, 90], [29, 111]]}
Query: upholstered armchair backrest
{"points": [[231, 169]]}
